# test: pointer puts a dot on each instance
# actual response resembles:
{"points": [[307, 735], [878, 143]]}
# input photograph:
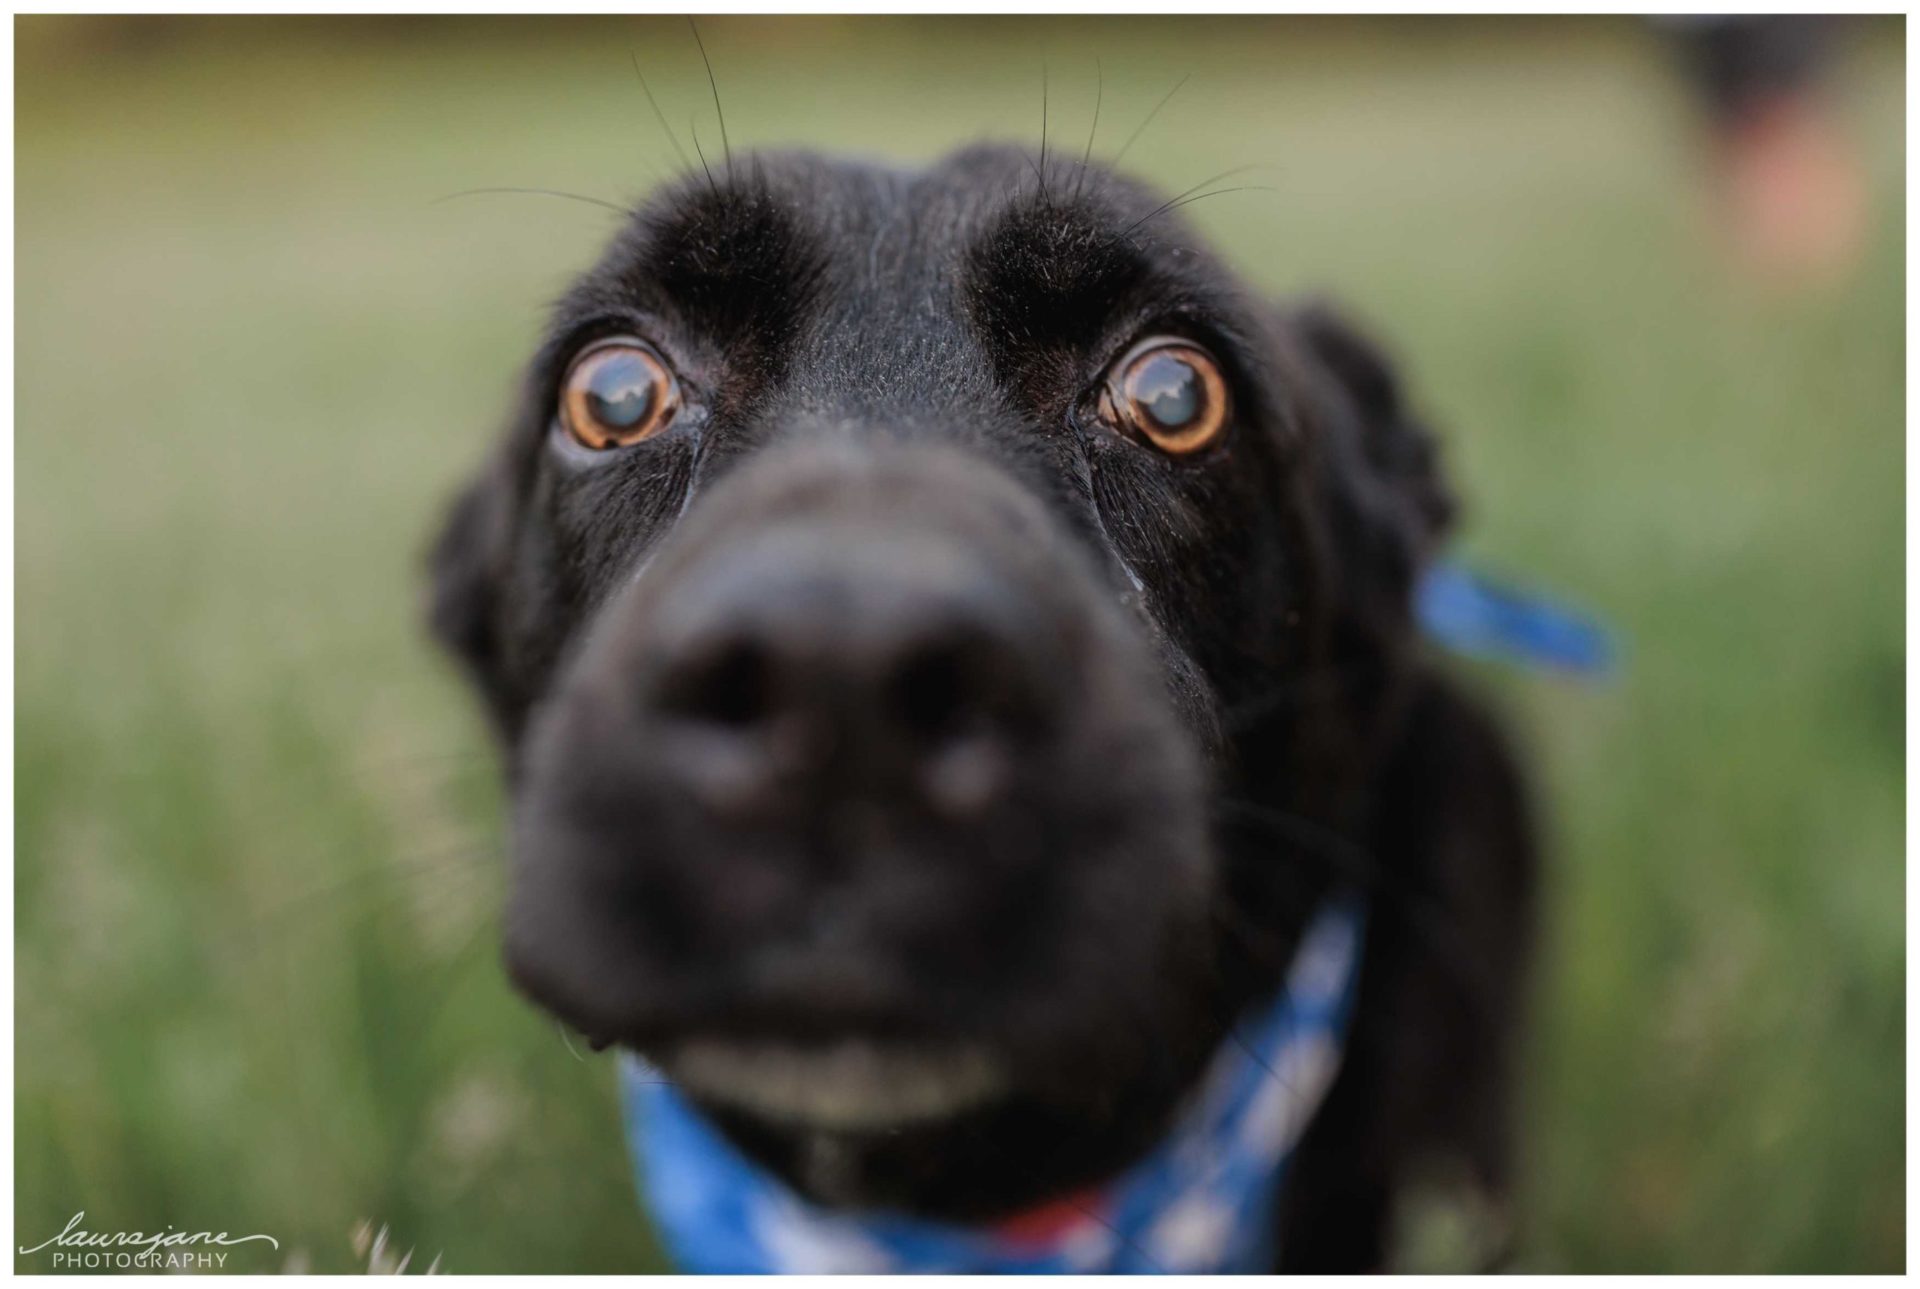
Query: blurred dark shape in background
{"points": [[1790, 191]]}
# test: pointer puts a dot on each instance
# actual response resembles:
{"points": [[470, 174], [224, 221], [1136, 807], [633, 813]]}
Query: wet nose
{"points": [[838, 662]]}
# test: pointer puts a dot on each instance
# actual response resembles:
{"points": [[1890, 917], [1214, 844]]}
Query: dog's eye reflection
{"points": [[616, 393], [1172, 392]]}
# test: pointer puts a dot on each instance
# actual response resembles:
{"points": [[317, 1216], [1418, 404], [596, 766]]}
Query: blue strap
{"points": [[1474, 614]]}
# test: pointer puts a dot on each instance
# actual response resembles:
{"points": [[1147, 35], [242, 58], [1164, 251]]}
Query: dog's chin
{"points": [[847, 1086]]}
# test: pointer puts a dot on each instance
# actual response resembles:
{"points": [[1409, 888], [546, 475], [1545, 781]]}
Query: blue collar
{"points": [[1483, 616], [1201, 1201]]}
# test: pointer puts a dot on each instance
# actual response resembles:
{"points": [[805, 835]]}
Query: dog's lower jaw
{"points": [[851, 1086], [1013, 1132], [833, 1102]]}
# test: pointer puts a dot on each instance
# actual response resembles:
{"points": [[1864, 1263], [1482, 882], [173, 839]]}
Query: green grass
{"points": [[257, 828]]}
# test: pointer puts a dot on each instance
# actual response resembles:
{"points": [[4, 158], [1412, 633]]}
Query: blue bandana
{"points": [[1202, 1200]]}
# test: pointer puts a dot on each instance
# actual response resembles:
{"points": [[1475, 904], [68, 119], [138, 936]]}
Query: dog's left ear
{"points": [[1377, 504], [1399, 449]]}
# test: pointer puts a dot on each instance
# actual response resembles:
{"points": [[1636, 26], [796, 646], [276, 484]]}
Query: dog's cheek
{"points": [[1132, 950], [587, 533], [1204, 541], [608, 516], [593, 934]]}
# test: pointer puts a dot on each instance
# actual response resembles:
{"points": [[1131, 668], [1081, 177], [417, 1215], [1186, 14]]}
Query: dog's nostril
{"points": [[728, 683], [943, 691]]}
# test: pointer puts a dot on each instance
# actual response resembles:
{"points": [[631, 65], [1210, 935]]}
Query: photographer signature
{"points": [[77, 1246]]}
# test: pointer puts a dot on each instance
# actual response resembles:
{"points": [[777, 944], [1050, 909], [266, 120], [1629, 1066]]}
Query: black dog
{"points": [[941, 616]]}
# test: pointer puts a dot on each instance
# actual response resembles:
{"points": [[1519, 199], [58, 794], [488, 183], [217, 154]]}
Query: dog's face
{"points": [[885, 587]]}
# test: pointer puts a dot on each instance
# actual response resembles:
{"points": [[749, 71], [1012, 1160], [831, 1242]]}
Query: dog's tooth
{"points": [[852, 1085]]}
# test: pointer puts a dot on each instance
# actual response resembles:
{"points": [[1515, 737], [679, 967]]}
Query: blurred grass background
{"points": [[257, 827]]}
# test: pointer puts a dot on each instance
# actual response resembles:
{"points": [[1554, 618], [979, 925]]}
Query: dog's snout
{"points": [[839, 762], [838, 663]]}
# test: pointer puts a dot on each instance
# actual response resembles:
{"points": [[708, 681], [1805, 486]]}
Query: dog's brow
{"points": [[1055, 274], [732, 261]]}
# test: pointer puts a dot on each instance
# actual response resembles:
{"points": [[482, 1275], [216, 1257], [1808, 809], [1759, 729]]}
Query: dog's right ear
{"points": [[466, 570]]}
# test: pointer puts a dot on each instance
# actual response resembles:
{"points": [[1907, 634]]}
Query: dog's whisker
{"points": [[673, 141], [1133, 1245], [1218, 192], [1121, 155], [1321, 685], [693, 128], [726, 146], [452, 758], [456, 864], [1042, 172], [1239, 1040], [1361, 867], [1175, 200], [1090, 1213], [1086, 156], [360, 769], [366, 897], [1302, 828], [615, 207]]}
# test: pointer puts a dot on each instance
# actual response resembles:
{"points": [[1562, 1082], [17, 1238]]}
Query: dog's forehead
{"points": [[878, 227], [882, 276], [892, 249]]}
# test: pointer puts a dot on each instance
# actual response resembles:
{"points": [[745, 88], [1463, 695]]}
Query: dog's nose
{"points": [[833, 663]]}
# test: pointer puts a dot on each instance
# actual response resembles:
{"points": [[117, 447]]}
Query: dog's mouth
{"points": [[850, 1085]]}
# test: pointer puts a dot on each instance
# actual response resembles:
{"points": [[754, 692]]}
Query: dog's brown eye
{"points": [[1171, 391], [616, 393]]}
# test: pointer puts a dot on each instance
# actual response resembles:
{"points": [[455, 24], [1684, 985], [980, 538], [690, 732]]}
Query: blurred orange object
{"points": [[1793, 196]]}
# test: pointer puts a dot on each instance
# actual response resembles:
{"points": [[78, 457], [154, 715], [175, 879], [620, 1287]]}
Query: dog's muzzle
{"points": [[866, 765]]}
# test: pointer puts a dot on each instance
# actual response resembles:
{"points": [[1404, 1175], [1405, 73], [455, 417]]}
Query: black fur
{"points": [[1237, 716]]}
